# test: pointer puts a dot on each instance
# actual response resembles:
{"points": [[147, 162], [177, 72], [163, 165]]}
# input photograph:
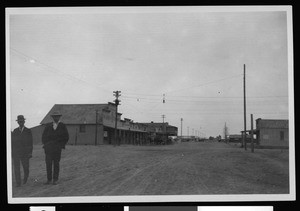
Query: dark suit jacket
{"points": [[55, 140], [22, 143]]}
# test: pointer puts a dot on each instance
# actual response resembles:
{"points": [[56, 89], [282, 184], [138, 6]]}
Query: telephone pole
{"points": [[163, 116], [225, 132], [252, 141], [96, 129], [181, 127], [117, 102], [245, 135], [164, 127]]}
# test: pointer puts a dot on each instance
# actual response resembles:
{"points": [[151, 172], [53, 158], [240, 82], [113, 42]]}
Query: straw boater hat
{"points": [[20, 118], [56, 113]]}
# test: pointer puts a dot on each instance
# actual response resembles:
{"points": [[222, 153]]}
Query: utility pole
{"points": [[96, 129], [164, 127], [252, 141], [245, 127], [117, 102], [163, 116], [181, 127], [225, 132]]}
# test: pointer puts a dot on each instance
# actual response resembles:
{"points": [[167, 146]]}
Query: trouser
{"points": [[52, 161], [17, 164]]}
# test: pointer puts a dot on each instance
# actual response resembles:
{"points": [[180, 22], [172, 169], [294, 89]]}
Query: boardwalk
{"points": [[184, 168]]}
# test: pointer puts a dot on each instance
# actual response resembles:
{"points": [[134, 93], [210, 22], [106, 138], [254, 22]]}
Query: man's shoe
{"points": [[48, 182], [54, 183]]}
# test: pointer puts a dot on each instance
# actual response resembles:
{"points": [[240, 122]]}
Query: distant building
{"points": [[238, 138], [160, 128], [272, 132], [81, 123]]}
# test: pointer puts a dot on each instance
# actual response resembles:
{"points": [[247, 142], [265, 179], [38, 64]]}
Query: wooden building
{"points": [[161, 128], [272, 132], [238, 138], [93, 124], [159, 132]]}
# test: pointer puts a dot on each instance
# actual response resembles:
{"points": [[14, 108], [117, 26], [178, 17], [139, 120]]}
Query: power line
{"points": [[190, 87], [216, 113], [215, 101], [57, 71], [137, 96], [204, 84]]}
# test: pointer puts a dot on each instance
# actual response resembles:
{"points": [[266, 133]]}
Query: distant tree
{"points": [[211, 138]]}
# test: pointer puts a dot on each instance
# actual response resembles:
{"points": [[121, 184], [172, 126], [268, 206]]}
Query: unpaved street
{"points": [[184, 168]]}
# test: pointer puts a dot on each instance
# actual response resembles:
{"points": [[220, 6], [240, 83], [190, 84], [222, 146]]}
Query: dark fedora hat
{"points": [[56, 113], [20, 118]]}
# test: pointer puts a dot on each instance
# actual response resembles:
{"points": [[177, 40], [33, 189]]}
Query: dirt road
{"points": [[184, 168]]}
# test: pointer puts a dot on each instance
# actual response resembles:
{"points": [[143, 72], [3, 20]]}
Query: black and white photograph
{"points": [[150, 104]]}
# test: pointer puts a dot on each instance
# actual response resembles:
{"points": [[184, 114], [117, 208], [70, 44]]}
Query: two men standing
{"points": [[21, 150], [54, 138]]}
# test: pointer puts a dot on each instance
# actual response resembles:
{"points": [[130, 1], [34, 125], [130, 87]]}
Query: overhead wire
{"points": [[57, 71], [154, 98], [207, 100], [211, 82], [190, 87], [141, 94]]}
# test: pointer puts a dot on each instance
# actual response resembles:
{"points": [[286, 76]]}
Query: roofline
{"points": [[36, 126], [272, 119], [70, 104], [82, 104]]}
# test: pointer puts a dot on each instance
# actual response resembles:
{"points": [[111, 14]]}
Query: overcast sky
{"points": [[193, 57]]}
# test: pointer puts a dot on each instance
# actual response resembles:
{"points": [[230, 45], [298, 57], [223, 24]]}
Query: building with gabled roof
{"points": [[93, 124], [78, 113]]}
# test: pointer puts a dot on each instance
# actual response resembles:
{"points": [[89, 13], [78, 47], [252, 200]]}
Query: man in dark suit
{"points": [[21, 150], [54, 138]]}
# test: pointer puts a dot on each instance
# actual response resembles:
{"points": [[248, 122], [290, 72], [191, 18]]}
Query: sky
{"points": [[192, 59]]}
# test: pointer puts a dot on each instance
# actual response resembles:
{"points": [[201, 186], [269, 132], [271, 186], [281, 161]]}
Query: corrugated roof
{"points": [[273, 123], [75, 113]]}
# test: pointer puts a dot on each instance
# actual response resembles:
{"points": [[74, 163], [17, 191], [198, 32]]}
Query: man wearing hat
{"points": [[21, 150], [54, 138]]}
